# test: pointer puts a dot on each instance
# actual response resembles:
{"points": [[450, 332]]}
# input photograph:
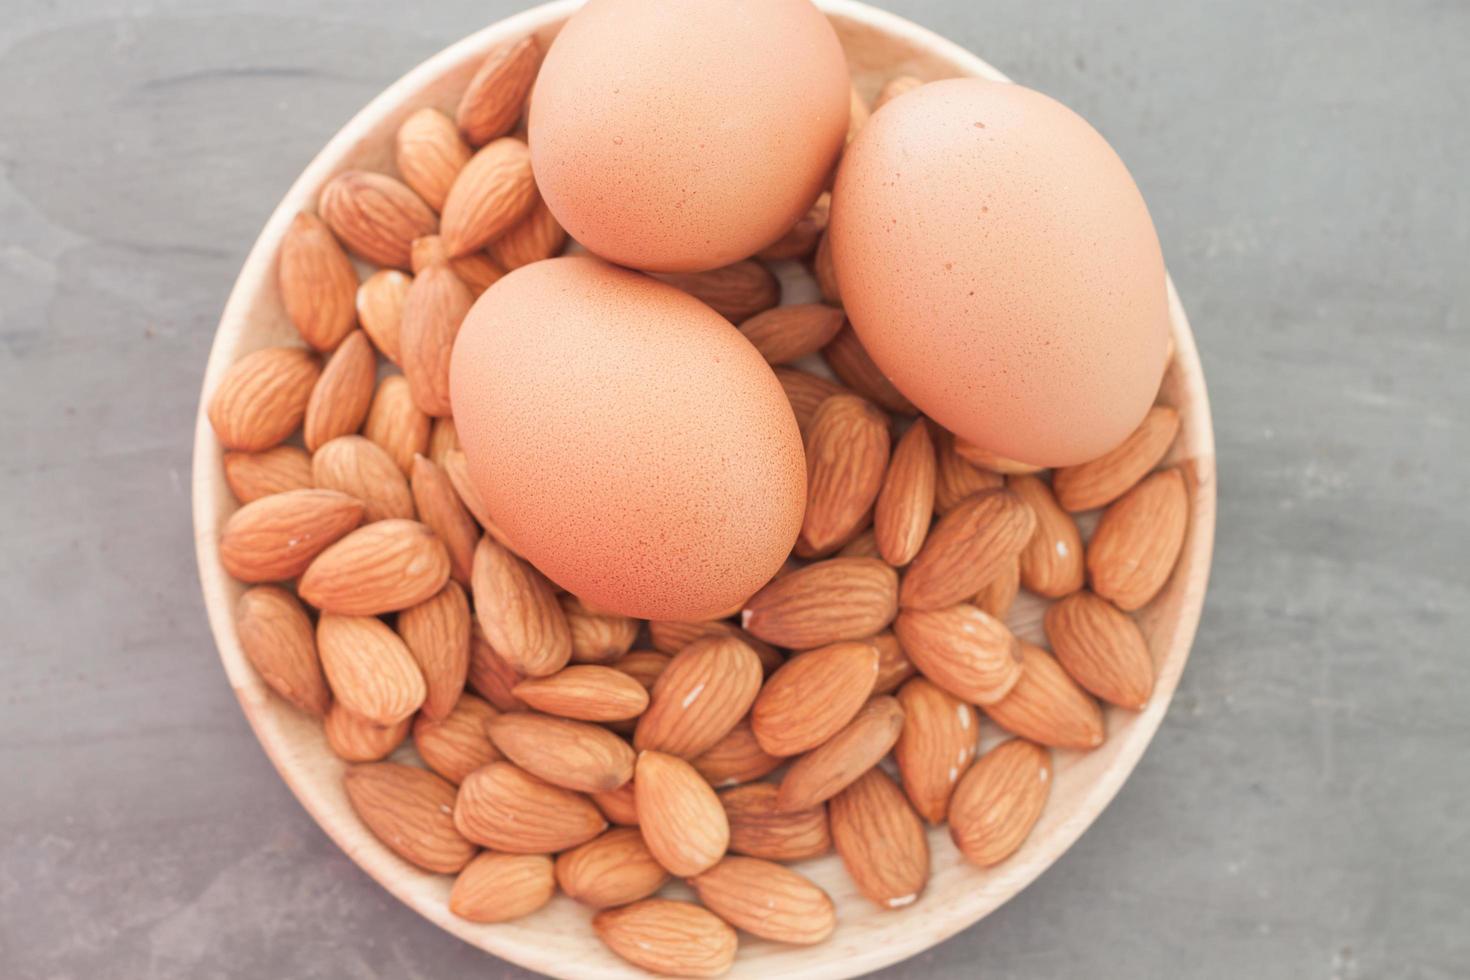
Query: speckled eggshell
{"points": [[998, 262], [685, 136], [631, 444]]}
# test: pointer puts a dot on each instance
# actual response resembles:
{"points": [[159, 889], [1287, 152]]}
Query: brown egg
{"points": [[999, 264], [683, 137], [628, 441]]}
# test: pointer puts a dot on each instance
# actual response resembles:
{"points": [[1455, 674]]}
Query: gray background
{"points": [[1305, 809]]}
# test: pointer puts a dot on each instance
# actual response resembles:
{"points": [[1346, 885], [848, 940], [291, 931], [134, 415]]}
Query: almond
{"points": [[572, 754], [379, 568], [437, 634], [614, 869], [395, 422], [1105, 479], [880, 840], [759, 828], [994, 462], [964, 650], [967, 548], [999, 801], [354, 739], [823, 270], [535, 237], [999, 594], [340, 398], [737, 292], [501, 887], [699, 697], [432, 313], [443, 439], [894, 666], [672, 637], [660, 935], [905, 505], [587, 692], [826, 602], [956, 478], [254, 475], [1051, 562], [429, 153], [813, 697], [1138, 540], [492, 102], [865, 545], [1047, 706], [936, 747], [458, 745], [767, 900], [847, 455], [380, 309], [620, 805], [375, 216], [597, 637], [458, 469], [644, 666], [825, 771], [493, 192], [318, 284], [360, 468], [680, 817], [369, 669], [784, 333], [851, 363], [502, 806], [893, 88], [490, 676], [477, 270], [277, 637], [262, 397], [736, 758], [801, 238], [858, 113], [806, 392], [1102, 648], [519, 612], [439, 507], [409, 810], [276, 537]]}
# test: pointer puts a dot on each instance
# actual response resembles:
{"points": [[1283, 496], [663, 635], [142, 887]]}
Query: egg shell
{"points": [[628, 441], [999, 264], [683, 137]]}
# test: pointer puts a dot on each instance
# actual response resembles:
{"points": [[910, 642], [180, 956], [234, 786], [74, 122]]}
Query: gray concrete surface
{"points": [[1305, 810]]}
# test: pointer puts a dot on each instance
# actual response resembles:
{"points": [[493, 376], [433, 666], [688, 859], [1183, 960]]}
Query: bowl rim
{"points": [[940, 921]]}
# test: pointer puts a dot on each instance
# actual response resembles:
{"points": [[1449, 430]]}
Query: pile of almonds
{"points": [[567, 747]]}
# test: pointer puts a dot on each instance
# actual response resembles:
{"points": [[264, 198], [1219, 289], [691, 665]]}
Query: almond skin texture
{"points": [[905, 505], [736, 758], [432, 313], [458, 745], [375, 216], [847, 455], [999, 800], [276, 537], [1047, 706], [262, 397], [1051, 562], [880, 840], [1138, 541], [865, 545], [395, 422], [671, 637], [383, 567], [597, 637], [318, 283], [1102, 648], [644, 666], [999, 594], [827, 770], [620, 805], [669, 938], [767, 900], [1099, 482], [936, 747], [493, 101], [439, 506], [340, 398], [369, 669], [254, 475], [380, 309], [806, 392], [518, 612], [361, 468], [501, 887], [851, 363], [490, 676], [987, 460], [614, 869], [443, 439], [680, 817], [437, 634], [503, 807], [409, 810], [700, 696], [278, 640], [574, 755], [786, 333], [825, 602], [429, 153], [956, 478], [894, 666], [965, 651], [759, 829], [587, 692], [813, 697], [535, 237], [967, 548], [822, 269], [354, 739], [737, 291], [490, 194], [801, 240]]}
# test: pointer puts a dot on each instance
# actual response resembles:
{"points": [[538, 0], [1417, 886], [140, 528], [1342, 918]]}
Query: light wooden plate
{"points": [[558, 939]]}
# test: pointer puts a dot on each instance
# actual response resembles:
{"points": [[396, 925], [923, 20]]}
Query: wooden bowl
{"points": [[558, 940]]}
